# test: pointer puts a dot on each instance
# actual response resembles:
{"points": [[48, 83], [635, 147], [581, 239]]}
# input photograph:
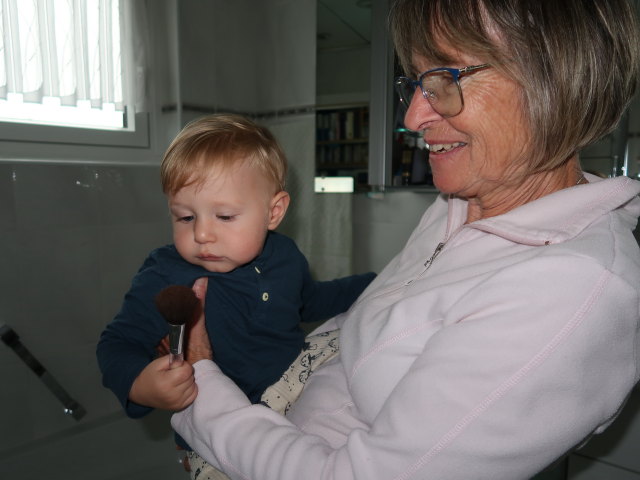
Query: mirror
{"points": [[342, 89]]}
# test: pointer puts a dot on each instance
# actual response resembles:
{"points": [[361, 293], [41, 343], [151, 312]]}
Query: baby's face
{"points": [[222, 223]]}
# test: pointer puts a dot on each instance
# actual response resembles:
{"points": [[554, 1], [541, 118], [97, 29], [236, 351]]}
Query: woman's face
{"points": [[481, 151]]}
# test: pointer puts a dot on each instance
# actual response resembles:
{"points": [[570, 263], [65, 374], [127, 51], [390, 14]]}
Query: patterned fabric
{"points": [[201, 470], [317, 350], [281, 395]]}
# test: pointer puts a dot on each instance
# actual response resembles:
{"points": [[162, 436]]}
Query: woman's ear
{"points": [[278, 208]]}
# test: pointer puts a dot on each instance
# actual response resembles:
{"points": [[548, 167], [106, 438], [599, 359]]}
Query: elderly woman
{"points": [[505, 333]]}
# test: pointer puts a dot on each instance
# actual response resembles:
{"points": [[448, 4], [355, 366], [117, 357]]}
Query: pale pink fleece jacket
{"points": [[509, 348]]}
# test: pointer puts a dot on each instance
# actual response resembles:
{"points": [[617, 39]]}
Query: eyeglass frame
{"points": [[456, 73]]}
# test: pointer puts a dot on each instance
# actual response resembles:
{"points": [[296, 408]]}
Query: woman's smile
{"points": [[441, 148]]}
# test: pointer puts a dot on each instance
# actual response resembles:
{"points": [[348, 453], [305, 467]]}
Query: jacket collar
{"points": [[559, 216]]}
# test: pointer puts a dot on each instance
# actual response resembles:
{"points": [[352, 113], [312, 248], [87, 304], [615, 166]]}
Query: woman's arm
{"points": [[499, 395]]}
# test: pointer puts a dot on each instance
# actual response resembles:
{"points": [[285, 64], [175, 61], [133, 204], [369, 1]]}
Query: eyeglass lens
{"points": [[440, 89]]}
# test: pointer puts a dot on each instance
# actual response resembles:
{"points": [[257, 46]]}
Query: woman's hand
{"points": [[198, 346]]}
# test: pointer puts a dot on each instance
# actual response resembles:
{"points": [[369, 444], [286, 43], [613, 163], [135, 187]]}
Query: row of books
{"points": [[349, 155], [342, 124]]}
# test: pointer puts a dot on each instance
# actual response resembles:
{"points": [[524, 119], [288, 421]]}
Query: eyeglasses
{"points": [[440, 86]]}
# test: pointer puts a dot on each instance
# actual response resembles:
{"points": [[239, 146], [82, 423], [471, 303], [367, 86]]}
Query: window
{"points": [[63, 64]]}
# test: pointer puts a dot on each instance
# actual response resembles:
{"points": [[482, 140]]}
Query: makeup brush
{"points": [[177, 304]]}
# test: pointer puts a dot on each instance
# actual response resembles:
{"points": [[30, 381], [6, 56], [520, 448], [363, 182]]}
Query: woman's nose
{"points": [[420, 112], [203, 232]]}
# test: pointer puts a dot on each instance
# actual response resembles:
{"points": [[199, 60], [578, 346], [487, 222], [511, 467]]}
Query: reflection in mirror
{"points": [[342, 89]]}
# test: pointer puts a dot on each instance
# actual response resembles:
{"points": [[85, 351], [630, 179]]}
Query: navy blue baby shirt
{"points": [[253, 316]]}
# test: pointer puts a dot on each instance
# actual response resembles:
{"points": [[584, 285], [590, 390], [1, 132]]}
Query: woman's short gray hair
{"points": [[577, 61]]}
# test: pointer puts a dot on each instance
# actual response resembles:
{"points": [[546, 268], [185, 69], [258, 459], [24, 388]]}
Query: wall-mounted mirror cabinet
{"points": [[342, 89]]}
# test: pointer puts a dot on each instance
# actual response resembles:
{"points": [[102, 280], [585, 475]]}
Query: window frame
{"points": [[136, 136], [41, 133]]}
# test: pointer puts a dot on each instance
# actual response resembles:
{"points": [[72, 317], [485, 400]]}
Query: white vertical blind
{"points": [[62, 52]]}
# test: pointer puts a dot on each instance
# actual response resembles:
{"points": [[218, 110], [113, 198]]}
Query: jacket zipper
{"points": [[438, 249], [448, 235], [427, 264]]}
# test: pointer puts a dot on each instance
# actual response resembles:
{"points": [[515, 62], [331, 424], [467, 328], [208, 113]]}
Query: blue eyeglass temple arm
{"points": [[472, 68], [455, 72]]}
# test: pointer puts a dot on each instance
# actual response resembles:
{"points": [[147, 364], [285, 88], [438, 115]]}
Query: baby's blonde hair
{"points": [[221, 139]]}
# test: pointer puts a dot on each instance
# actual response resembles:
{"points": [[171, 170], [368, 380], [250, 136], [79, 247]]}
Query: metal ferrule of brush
{"points": [[176, 342]]}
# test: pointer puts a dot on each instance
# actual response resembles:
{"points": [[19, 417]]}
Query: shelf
{"points": [[342, 143]]}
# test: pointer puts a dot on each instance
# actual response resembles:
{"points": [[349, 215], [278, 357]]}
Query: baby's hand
{"points": [[159, 386], [163, 347]]}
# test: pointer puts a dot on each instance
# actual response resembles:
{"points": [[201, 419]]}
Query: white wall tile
{"points": [[7, 198], [14, 400], [585, 469], [58, 267], [121, 251], [383, 225], [55, 195], [111, 448], [12, 260], [130, 195], [619, 445]]}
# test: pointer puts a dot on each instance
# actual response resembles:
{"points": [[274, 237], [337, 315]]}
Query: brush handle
{"points": [[176, 341], [176, 359]]}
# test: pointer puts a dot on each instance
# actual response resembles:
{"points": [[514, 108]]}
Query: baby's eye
{"points": [[225, 218], [185, 219]]}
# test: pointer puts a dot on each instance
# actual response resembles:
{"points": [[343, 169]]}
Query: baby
{"points": [[224, 177]]}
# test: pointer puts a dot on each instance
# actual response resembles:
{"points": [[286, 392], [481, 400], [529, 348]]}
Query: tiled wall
{"points": [[71, 237]]}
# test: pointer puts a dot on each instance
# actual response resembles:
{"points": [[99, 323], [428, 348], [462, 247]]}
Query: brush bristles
{"points": [[177, 304]]}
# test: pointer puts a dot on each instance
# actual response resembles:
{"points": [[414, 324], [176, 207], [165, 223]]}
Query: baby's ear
{"points": [[278, 208]]}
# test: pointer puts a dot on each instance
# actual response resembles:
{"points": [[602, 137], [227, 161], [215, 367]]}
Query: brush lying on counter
{"points": [[178, 305]]}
